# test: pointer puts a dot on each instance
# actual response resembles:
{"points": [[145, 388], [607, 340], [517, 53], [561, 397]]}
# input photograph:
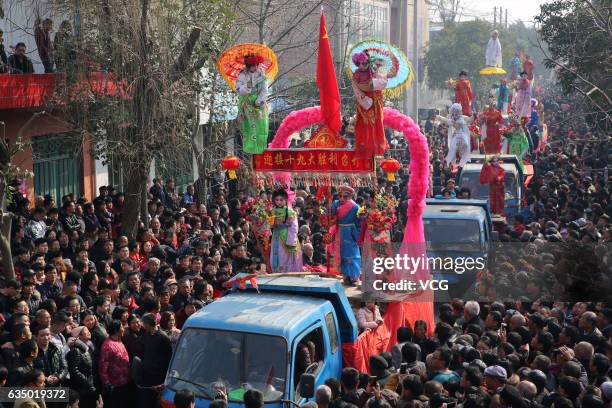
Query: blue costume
{"points": [[502, 98], [349, 228]]}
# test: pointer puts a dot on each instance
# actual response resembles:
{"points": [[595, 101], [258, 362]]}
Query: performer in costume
{"points": [[517, 139], [368, 85], [502, 96], [252, 88], [346, 234], [493, 174], [528, 67], [515, 66], [493, 54], [492, 119], [522, 102], [285, 253], [475, 136], [463, 92], [458, 135], [534, 125]]}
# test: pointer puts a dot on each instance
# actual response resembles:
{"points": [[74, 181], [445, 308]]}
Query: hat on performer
{"points": [[463, 72], [345, 188], [281, 192]]}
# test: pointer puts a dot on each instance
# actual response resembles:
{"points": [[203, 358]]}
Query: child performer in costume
{"points": [[522, 102], [515, 66], [502, 97], [285, 253], [463, 92], [493, 55], [517, 140], [493, 174], [458, 135], [368, 85], [346, 233], [528, 67], [492, 119], [252, 87]]}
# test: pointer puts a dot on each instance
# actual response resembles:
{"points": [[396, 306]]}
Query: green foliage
{"points": [[578, 39], [462, 46]]}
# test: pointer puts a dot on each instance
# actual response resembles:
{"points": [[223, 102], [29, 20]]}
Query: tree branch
{"points": [[180, 65]]}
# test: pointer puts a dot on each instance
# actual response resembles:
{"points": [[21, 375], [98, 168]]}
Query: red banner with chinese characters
{"points": [[312, 160]]}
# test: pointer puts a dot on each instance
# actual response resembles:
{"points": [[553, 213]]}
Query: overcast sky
{"points": [[517, 9]]}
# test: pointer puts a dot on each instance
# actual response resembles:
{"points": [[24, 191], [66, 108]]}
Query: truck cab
{"points": [[255, 339], [457, 228], [514, 189]]}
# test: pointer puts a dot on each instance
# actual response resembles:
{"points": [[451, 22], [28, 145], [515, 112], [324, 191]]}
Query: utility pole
{"points": [[415, 61], [494, 16], [506, 19]]}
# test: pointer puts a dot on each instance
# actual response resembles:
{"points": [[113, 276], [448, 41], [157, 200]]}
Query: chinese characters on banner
{"points": [[312, 160]]}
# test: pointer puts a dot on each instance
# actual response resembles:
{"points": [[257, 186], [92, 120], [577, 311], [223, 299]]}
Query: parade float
{"points": [[326, 162]]}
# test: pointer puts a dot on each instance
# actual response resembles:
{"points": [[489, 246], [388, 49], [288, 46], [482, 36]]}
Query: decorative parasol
{"points": [[231, 61], [492, 71], [391, 59]]}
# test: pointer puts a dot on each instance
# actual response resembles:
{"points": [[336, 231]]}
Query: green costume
{"points": [[253, 90]]}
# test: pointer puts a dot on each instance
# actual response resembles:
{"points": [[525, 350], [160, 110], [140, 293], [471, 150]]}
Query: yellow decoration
{"points": [[492, 71]]}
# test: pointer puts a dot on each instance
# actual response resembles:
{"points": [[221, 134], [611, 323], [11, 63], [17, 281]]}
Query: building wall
{"points": [[31, 127]]}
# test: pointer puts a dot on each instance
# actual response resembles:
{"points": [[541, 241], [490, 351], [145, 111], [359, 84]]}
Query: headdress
{"points": [[360, 57], [281, 192], [523, 73], [463, 72], [252, 59], [346, 189], [534, 102]]}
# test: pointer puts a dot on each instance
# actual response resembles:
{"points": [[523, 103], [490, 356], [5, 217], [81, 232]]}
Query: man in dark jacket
{"points": [[50, 358], [157, 352], [80, 366], [19, 63]]}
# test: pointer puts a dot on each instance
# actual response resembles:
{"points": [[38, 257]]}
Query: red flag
{"points": [[326, 81]]}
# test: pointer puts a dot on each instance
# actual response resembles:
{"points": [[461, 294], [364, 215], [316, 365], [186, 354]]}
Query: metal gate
{"points": [[57, 165]]}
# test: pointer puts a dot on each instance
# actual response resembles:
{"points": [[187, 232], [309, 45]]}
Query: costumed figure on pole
{"points": [[368, 86], [463, 92], [252, 87], [534, 124], [285, 253], [517, 142], [528, 67], [491, 119], [345, 235], [475, 136], [247, 69], [493, 55], [458, 135], [503, 95], [522, 102], [493, 174], [516, 66]]}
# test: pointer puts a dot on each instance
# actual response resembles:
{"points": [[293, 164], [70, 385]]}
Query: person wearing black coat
{"points": [[80, 367]]}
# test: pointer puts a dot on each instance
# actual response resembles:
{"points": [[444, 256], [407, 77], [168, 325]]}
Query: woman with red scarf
{"points": [[492, 119]]}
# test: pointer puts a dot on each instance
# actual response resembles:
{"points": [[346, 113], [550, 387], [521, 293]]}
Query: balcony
{"points": [[31, 91]]}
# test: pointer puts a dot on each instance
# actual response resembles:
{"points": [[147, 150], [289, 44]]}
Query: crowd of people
{"points": [[85, 300]]}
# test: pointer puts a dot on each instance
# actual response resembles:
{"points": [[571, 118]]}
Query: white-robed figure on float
{"points": [[458, 135], [493, 54]]}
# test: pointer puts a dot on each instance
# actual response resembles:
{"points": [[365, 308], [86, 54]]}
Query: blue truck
{"points": [[514, 188], [252, 339], [457, 228]]}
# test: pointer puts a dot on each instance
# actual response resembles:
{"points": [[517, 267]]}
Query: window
{"points": [[369, 19], [330, 322], [309, 355]]}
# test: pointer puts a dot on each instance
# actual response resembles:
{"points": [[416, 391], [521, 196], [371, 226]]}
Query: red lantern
{"points": [[231, 163], [390, 166]]}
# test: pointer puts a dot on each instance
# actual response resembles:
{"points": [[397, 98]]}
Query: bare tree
{"points": [[446, 10]]}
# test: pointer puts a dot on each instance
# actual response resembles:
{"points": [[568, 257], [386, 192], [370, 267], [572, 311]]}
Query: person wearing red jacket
{"points": [[493, 174], [463, 93]]}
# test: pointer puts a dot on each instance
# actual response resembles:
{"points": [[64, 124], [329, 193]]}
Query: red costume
{"points": [[464, 95], [493, 118], [528, 68], [493, 175], [369, 129]]}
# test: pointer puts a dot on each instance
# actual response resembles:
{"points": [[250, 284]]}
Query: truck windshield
{"points": [[206, 361], [447, 234], [471, 180]]}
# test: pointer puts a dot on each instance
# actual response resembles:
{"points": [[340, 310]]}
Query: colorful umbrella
{"points": [[492, 71], [231, 61], [391, 59]]}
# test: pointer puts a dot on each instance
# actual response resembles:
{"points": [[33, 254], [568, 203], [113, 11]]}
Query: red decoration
{"points": [[326, 81], [231, 163], [390, 166], [312, 160]]}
